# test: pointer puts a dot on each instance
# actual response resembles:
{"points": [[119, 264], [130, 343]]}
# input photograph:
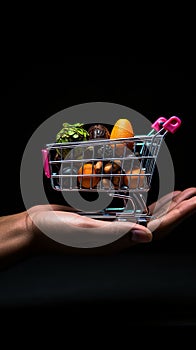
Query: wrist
{"points": [[16, 241]]}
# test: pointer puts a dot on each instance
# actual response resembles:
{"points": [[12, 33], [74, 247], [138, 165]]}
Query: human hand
{"points": [[102, 236], [74, 233], [168, 212], [171, 210], [23, 234]]}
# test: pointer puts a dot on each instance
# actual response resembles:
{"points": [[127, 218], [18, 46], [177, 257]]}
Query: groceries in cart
{"points": [[95, 158], [103, 158]]}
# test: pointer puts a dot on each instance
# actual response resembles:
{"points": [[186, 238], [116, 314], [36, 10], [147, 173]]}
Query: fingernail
{"points": [[141, 236]]}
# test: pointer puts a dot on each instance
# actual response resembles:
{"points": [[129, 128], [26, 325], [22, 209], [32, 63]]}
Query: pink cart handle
{"points": [[172, 124], [45, 162], [159, 123]]}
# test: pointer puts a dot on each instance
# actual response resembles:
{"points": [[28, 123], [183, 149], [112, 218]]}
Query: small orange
{"points": [[122, 129], [87, 181]]}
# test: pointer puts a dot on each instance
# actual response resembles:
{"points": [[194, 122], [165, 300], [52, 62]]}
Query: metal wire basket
{"points": [[121, 167]]}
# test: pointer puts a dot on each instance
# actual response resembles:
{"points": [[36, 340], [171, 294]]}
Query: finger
{"points": [[184, 195], [170, 201], [134, 236], [173, 218], [155, 207], [122, 236]]}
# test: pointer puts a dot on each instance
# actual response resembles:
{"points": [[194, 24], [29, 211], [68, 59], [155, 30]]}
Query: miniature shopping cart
{"points": [[122, 168]]}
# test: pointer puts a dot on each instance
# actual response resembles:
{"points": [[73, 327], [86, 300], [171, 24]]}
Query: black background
{"points": [[149, 282]]}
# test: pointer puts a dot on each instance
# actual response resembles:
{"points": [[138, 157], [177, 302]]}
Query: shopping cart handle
{"points": [[171, 125], [45, 162], [159, 123]]}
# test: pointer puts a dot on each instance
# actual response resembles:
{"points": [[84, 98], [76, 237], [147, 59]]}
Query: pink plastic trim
{"points": [[45, 162], [172, 124], [159, 123]]}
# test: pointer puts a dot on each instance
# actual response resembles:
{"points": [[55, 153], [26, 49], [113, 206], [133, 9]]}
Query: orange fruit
{"points": [[87, 181], [122, 129]]}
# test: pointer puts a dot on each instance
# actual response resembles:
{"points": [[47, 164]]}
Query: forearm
{"points": [[15, 238]]}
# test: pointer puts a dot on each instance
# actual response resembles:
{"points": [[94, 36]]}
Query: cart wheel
{"points": [[142, 221]]}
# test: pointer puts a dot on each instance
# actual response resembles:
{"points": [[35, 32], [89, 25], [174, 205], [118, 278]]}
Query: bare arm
{"points": [[15, 239], [20, 237]]}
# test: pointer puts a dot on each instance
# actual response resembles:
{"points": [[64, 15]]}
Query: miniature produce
{"points": [[87, 180], [98, 164], [98, 131], [122, 129], [71, 133], [114, 168], [134, 180]]}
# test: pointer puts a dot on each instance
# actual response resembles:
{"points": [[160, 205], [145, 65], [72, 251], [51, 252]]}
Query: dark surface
{"points": [[149, 288], [151, 284]]}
